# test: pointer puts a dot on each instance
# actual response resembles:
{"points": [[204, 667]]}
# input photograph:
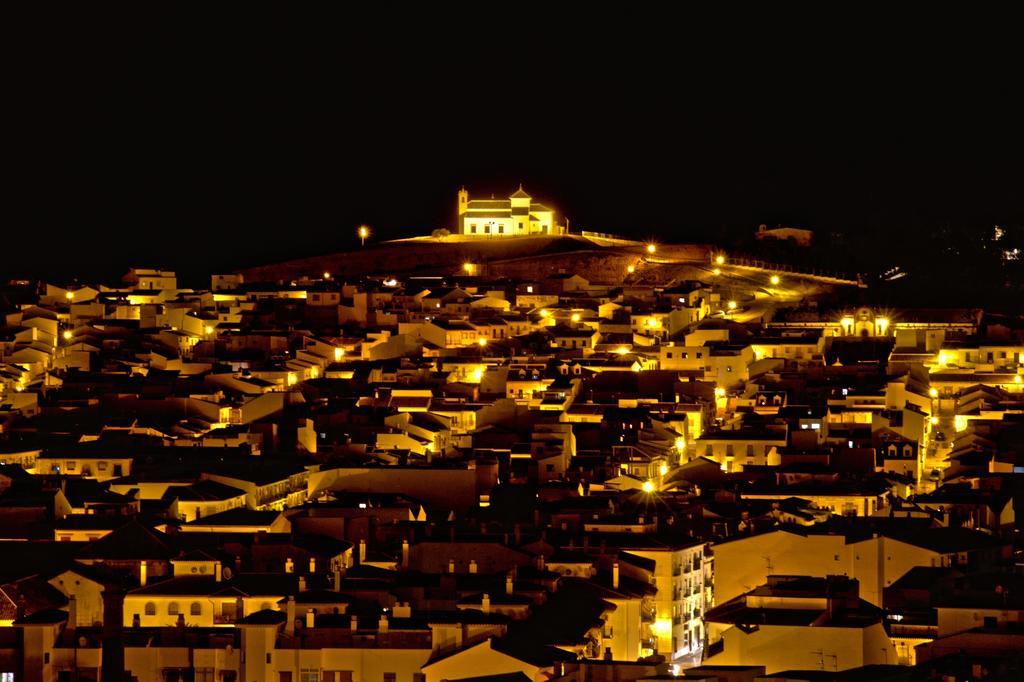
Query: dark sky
{"points": [[205, 143]]}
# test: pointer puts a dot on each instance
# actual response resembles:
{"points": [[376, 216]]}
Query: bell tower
{"points": [[463, 206]]}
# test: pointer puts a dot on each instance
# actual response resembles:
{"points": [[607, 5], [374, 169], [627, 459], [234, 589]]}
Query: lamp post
{"points": [[364, 232]]}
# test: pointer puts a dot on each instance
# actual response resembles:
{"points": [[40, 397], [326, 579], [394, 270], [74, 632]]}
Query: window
{"points": [[150, 609], [70, 465], [173, 609], [204, 675], [196, 609], [390, 677], [309, 675]]}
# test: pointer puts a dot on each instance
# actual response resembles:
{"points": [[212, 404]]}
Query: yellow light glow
{"points": [[653, 322], [933, 392], [364, 232], [648, 486], [663, 627], [69, 295], [663, 469], [575, 317], [339, 353], [481, 342], [719, 392], [476, 375], [529, 288], [720, 259], [208, 329], [1017, 379], [960, 422], [680, 443], [292, 379], [651, 248], [327, 275], [881, 324], [631, 269], [933, 420], [846, 322], [731, 305], [314, 372], [621, 350], [716, 272], [774, 280], [544, 312], [943, 358], [469, 268], [68, 335]]}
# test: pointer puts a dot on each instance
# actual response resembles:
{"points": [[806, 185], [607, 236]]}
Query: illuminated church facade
{"points": [[516, 216]]}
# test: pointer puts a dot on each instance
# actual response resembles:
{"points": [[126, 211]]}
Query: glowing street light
{"points": [[648, 486], [731, 305], [933, 392], [631, 269], [575, 317], [774, 280], [481, 342], [680, 444], [469, 268], [933, 420], [208, 329], [716, 272], [68, 335], [719, 259], [339, 353], [69, 295], [719, 392], [364, 232], [662, 470], [1017, 379], [651, 248], [621, 350]]}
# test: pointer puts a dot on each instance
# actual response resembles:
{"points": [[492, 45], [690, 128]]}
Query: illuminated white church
{"points": [[513, 217]]}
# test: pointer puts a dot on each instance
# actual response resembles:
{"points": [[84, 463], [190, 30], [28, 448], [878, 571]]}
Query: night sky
{"points": [[210, 143]]}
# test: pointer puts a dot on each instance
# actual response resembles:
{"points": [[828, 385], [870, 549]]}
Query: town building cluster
{"points": [[427, 478]]}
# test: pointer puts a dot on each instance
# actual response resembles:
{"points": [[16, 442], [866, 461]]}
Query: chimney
{"points": [[510, 584], [289, 623], [311, 618], [362, 551], [143, 568], [472, 565], [217, 571], [312, 564], [112, 652], [302, 583], [485, 603], [405, 554], [289, 565], [72, 613], [382, 624], [353, 623], [615, 575]]}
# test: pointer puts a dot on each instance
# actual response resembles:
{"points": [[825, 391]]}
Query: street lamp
{"points": [[651, 248], [731, 305], [364, 232], [631, 269], [774, 280], [720, 259], [648, 486]]}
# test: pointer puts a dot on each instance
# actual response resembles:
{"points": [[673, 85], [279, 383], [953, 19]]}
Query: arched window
{"points": [[173, 609], [196, 609], [150, 608]]}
